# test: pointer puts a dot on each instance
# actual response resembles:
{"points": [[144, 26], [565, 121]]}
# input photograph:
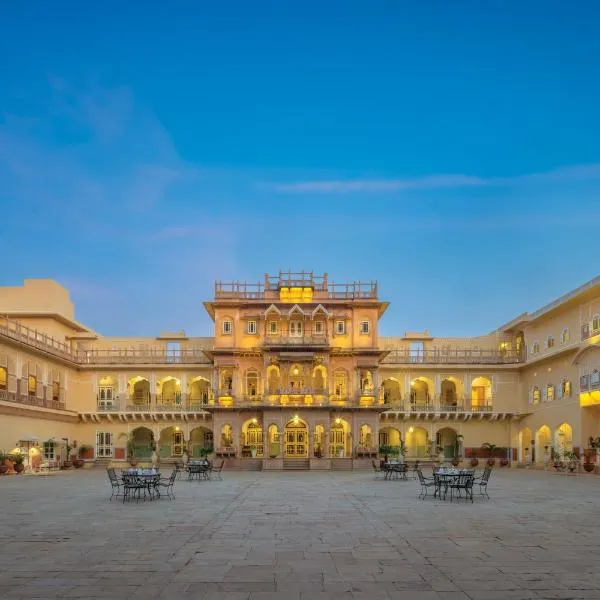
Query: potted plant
{"points": [[83, 453], [205, 451], [131, 447], [18, 460], [489, 448], [504, 461], [588, 465], [456, 450], [3, 466], [68, 463], [570, 459]]}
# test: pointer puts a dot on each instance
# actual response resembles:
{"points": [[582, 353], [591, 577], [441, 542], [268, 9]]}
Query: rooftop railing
{"points": [[33, 338]]}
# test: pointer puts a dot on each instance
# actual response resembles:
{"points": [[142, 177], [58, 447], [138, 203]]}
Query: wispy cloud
{"points": [[435, 182]]}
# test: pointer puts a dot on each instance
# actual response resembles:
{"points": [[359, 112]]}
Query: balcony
{"points": [[187, 356], [590, 382], [460, 405], [472, 356], [590, 329], [31, 400], [274, 341]]}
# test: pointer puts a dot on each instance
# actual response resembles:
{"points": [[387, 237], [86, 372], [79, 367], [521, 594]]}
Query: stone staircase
{"points": [[252, 464], [341, 464], [296, 464]]}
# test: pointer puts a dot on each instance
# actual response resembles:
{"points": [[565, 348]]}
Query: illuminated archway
{"points": [[417, 442], [543, 443], [198, 391], [169, 391], [295, 436], [525, 446], [563, 439], [339, 439], [142, 440], [481, 393], [171, 442], [138, 389], [447, 439], [252, 432], [420, 391], [201, 440], [391, 391]]}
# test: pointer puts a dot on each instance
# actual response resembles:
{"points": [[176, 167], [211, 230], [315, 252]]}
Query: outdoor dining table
{"points": [[141, 479], [198, 470], [395, 468], [445, 478]]}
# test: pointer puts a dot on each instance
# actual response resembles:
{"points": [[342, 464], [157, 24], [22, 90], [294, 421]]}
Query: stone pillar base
{"points": [[320, 464]]}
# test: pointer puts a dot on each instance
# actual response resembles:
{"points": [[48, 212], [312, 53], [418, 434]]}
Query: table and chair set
{"points": [[139, 484], [456, 481], [200, 469]]}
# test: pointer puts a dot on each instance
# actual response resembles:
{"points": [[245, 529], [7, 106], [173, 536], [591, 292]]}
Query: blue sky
{"points": [[447, 149]]}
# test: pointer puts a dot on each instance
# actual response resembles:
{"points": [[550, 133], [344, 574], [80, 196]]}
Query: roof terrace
{"points": [[297, 280]]}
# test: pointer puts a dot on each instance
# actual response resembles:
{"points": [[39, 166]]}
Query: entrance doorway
{"points": [[296, 439]]}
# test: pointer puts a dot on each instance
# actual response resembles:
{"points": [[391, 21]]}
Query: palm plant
{"points": [[489, 448]]}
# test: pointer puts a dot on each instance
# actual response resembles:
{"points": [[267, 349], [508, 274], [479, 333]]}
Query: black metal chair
{"points": [[376, 468], [461, 482], [218, 470], [132, 487], [115, 484], [426, 483], [167, 485], [482, 481]]}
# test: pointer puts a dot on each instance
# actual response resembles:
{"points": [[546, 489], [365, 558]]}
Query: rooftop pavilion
{"points": [[301, 286]]}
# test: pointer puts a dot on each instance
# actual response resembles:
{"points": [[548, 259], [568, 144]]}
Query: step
{"points": [[341, 464], [251, 464], [296, 464]]}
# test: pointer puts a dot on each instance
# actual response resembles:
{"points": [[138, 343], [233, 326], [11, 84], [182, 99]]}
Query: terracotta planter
{"points": [[504, 462], [19, 468], [78, 463], [491, 462], [474, 462], [455, 462], [133, 462], [67, 464], [588, 467], [3, 469]]}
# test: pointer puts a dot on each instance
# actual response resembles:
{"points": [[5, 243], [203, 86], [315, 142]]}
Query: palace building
{"points": [[297, 376]]}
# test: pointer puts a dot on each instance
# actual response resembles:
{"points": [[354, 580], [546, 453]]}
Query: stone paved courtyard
{"points": [[300, 535]]}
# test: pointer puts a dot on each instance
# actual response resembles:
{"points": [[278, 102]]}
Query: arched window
{"points": [[550, 392], [340, 384], [535, 348], [565, 336], [31, 385], [596, 322], [550, 342], [566, 388], [3, 378], [252, 382], [537, 395], [55, 390]]}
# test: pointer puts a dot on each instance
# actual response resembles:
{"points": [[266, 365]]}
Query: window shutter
{"points": [[559, 392], [544, 395]]}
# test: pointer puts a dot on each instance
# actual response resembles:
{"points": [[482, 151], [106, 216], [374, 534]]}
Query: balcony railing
{"points": [[451, 356], [33, 338], [144, 356], [590, 382], [460, 405], [304, 340], [25, 399], [590, 329]]}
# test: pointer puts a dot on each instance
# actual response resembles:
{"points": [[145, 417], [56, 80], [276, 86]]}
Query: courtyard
{"points": [[268, 535]]}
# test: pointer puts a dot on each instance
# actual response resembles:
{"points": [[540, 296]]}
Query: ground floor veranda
{"points": [[309, 435], [299, 536]]}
